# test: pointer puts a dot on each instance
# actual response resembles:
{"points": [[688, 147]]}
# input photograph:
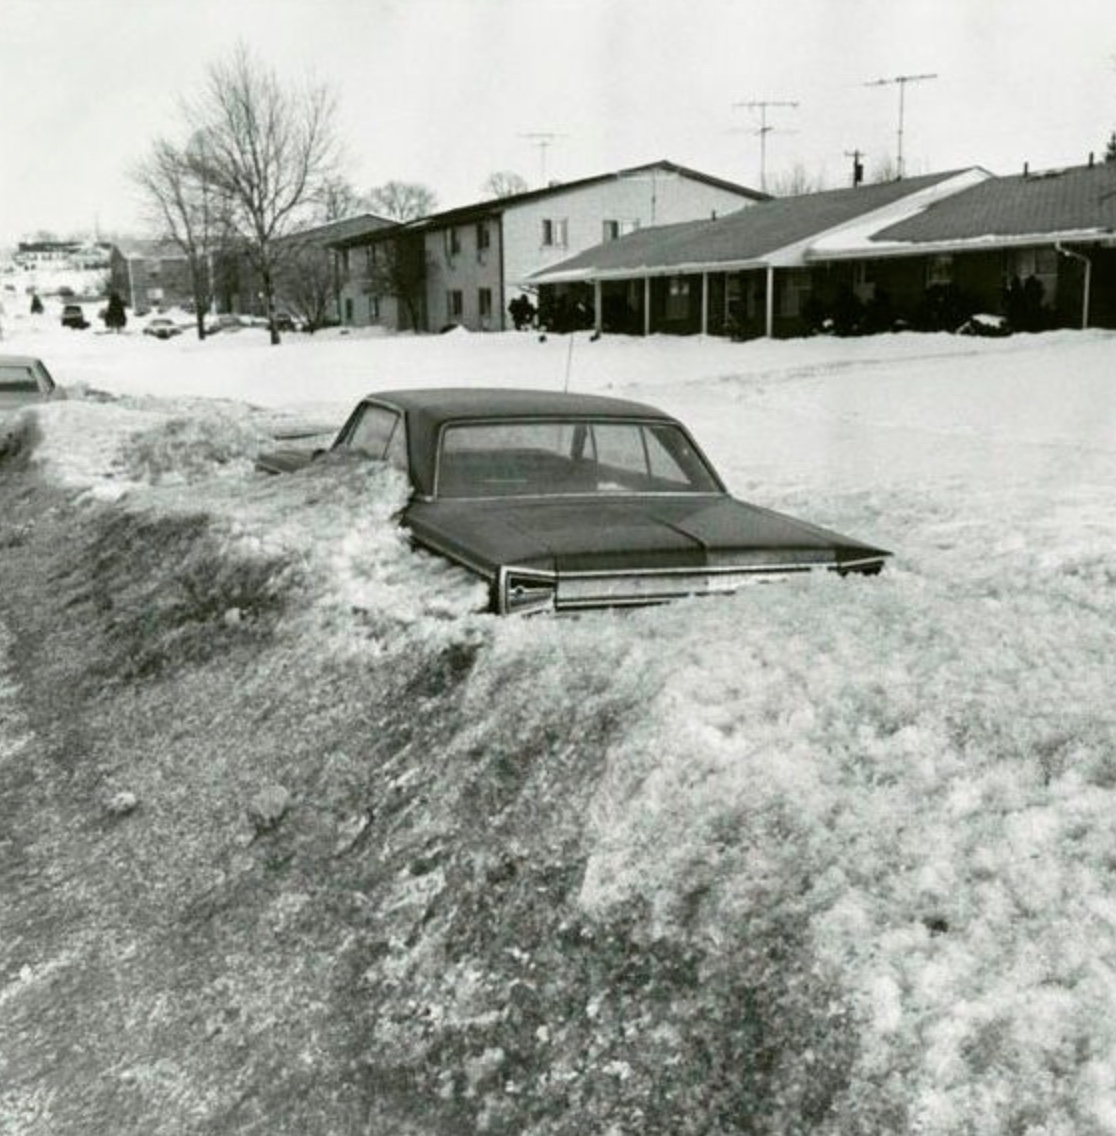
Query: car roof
{"points": [[446, 403], [428, 409], [20, 360]]}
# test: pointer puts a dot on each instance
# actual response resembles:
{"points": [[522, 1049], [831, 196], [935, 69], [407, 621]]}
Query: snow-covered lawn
{"points": [[920, 769]]}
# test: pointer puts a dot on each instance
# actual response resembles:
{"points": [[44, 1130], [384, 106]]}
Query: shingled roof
{"points": [[746, 237], [1055, 203]]}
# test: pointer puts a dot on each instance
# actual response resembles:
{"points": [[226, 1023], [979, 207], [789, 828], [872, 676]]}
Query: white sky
{"points": [[441, 91]]}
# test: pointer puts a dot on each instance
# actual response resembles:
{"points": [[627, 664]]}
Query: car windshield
{"points": [[559, 457]]}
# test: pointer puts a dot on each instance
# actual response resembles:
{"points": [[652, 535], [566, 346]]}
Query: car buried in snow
{"points": [[24, 380], [564, 502]]}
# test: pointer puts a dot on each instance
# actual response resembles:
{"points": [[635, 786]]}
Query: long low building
{"points": [[930, 251]]}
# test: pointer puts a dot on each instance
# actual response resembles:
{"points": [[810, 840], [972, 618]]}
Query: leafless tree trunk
{"points": [[270, 151], [187, 210]]}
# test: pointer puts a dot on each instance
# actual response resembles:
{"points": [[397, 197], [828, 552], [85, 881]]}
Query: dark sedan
{"points": [[570, 501]]}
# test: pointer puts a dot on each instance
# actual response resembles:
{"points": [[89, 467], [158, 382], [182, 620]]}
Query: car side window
{"points": [[379, 434], [17, 379]]}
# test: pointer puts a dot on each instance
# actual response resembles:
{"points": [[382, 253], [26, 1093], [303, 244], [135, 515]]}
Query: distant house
{"points": [[150, 274], [464, 266], [924, 252], [79, 255]]}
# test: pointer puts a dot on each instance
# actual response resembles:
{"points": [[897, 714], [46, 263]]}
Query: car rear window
{"points": [[560, 457]]}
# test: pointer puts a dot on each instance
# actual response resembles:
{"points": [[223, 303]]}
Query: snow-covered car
{"points": [[567, 501], [24, 380], [162, 328]]}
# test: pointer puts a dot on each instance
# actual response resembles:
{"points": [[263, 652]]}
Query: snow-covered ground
{"points": [[926, 761]]}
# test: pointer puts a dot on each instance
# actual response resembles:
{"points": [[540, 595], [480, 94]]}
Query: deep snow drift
{"points": [[921, 767]]}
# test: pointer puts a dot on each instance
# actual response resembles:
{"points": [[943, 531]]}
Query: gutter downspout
{"points": [[1088, 278]]}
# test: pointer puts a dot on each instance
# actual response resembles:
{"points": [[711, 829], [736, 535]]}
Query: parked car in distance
{"points": [[225, 322], [285, 322], [25, 380], [564, 501], [73, 315], [162, 328]]}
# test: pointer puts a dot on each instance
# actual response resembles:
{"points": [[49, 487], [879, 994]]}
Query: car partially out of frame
{"points": [[564, 502], [24, 380]]}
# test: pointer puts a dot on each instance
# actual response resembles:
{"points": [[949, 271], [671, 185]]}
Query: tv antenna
{"points": [[858, 157], [764, 130], [901, 81], [544, 139]]}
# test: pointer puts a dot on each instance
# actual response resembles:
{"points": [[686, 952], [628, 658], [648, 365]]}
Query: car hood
{"points": [[662, 532]]}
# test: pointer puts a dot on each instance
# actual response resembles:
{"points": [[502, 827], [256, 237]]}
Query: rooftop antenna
{"points": [[761, 105], [901, 81], [544, 139], [858, 157]]}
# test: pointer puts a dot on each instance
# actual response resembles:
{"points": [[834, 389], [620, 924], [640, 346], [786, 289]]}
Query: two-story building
{"points": [[464, 266]]}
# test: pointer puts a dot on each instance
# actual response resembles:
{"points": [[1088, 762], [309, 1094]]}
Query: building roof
{"points": [[344, 230], [747, 237], [136, 249], [480, 210], [1070, 201]]}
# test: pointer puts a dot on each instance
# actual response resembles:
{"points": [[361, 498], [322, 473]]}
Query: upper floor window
{"points": [[613, 230], [453, 242], [483, 238], [555, 233]]}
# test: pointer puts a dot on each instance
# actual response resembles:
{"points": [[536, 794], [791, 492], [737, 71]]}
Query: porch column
{"points": [[647, 305], [598, 318], [769, 318], [705, 303]]}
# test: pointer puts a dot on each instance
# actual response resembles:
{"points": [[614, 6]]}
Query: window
{"points": [[555, 233], [348, 309], [795, 292], [483, 238], [678, 298], [614, 230], [377, 432], [568, 456], [939, 270], [374, 309], [484, 302], [453, 242], [455, 303]]}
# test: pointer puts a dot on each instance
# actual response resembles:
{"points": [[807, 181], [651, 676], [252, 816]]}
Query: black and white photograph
{"points": [[557, 568]]}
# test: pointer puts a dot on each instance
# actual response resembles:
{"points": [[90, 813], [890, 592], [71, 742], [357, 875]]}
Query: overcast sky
{"points": [[443, 91]]}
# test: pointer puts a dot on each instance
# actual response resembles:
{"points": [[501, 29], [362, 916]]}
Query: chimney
{"points": [[1092, 159], [1026, 169]]}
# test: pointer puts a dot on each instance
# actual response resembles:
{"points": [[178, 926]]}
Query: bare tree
{"points": [[188, 211], [306, 280], [797, 180], [339, 199], [269, 150], [504, 183], [402, 201], [398, 268]]}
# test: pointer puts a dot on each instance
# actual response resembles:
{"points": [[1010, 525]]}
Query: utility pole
{"points": [[901, 81], [543, 139], [761, 105]]}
